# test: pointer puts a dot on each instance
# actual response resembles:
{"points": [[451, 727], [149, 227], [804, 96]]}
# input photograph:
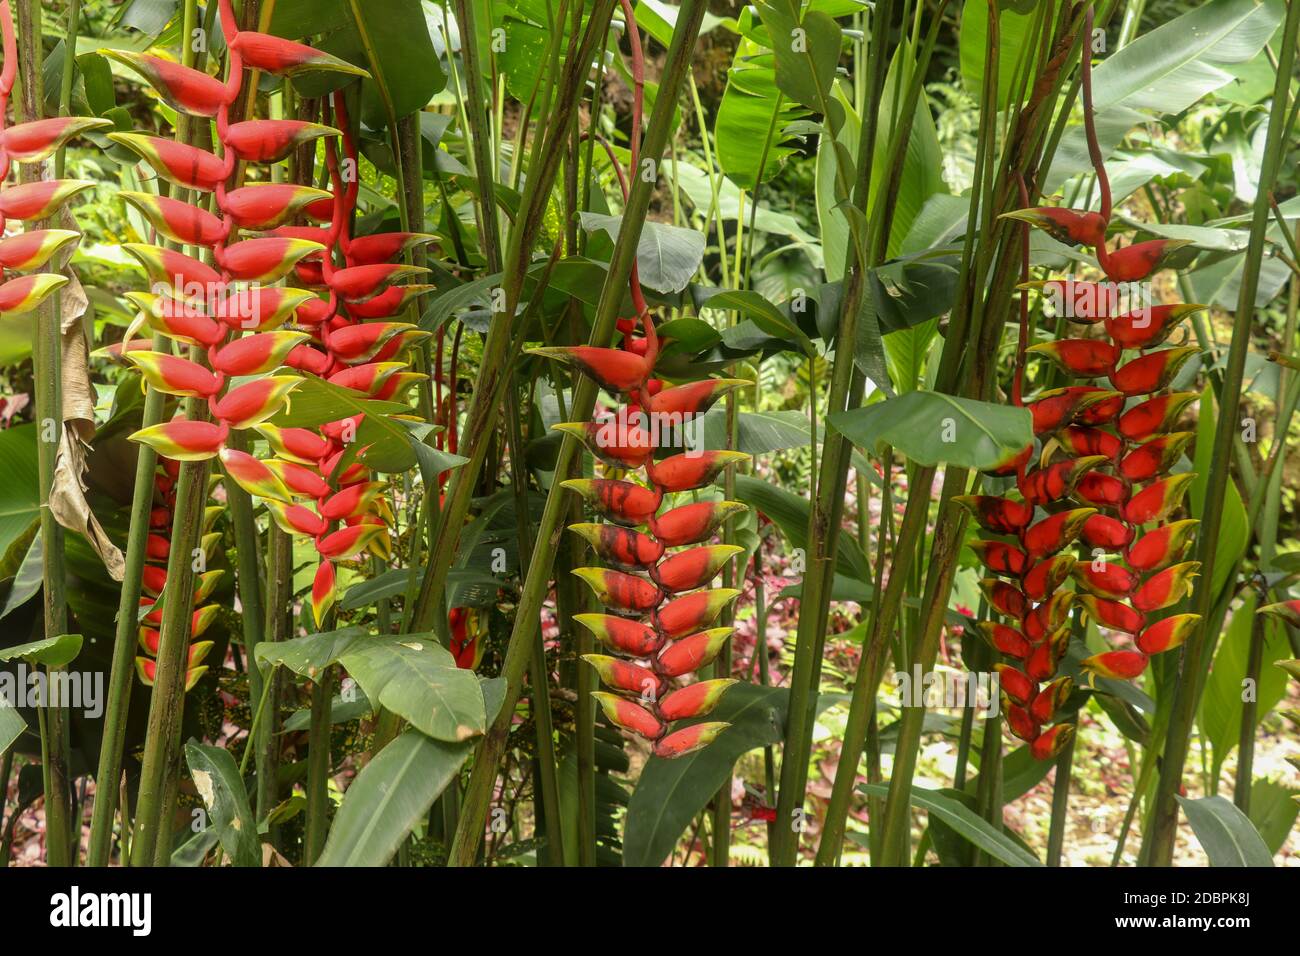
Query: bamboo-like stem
{"points": [[1060, 801], [548, 787], [469, 832], [481, 138], [1249, 710], [262, 736], [847, 385], [485, 406], [1162, 829], [319, 764], [122, 673], [47, 369]]}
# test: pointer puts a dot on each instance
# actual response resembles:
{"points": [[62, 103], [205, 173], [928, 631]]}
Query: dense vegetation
{"points": [[542, 432]]}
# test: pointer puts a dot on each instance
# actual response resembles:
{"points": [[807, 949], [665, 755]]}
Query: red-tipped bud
{"points": [[690, 739], [1054, 532], [385, 246], [693, 568], [686, 472], [693, 612], [348, 541], [323, 592], [621, 547], [268, 205], [1104, 491], [612, 369], [1050, 699], [1019, 721], [269, 141], [621, 592], [39, 139], [295, 519], [999, 515], [1012, 463], [1117, 665], [1059, 407], [23, 294], [256, 354], [296, 444], [1159, 548], [1046, 576], [27, 251], [1154, 415], [621, 634], [182, 88], [1158, 500], [691, 653], [1166, 587], [358, 283], [691, 524], [1082, 358], [272, 54], [264, 260], [303, 480], [254, 476]]}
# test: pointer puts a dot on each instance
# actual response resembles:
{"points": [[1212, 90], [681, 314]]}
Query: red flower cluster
{"points": [[313, 484], [1109, 446]]}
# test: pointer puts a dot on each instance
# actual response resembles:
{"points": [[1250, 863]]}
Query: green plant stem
{"points": [[1162, 830], [319, 764], [484, 408], [846, 388], [262, 736], [1060, 801], [469, 831], [47, 372]]}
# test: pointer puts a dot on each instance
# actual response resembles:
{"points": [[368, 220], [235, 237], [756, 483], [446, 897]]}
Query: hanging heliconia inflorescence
{"points": [[248, 328], [32, 142], [660, 606], [1108, 446], [153, 580]]}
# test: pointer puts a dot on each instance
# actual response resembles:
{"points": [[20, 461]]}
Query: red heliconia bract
{"points": [[1121, 465]]}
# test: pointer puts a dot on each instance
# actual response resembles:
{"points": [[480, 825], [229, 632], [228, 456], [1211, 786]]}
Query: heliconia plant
{"points": [[305, 491], [1102, 478], [32, 142]]}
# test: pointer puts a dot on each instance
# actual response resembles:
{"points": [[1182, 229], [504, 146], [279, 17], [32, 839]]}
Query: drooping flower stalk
{"points": [[1109, 448], [202, 306]]}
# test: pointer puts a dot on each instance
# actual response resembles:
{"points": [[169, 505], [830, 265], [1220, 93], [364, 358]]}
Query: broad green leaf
{"points": [[806, 52], [1220, 712], [757, 433], [931, 427], [30, 572], [342, 709], [965, 822], [12, 724], [386, 446], [670, 793], [389, 797], [219, 785], [790, 512], [768, 317], [194, 850], [308, 656], [417, 678], [19, 501], [1273, 811], [1225, 833], [50, 651], [753, 112], [666, 256], [1014, 43]]}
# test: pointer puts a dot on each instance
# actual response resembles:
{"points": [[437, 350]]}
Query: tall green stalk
{"points": [[47, 368], [1161, 831], [122, 674], [847, 385], [469, 832]]}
